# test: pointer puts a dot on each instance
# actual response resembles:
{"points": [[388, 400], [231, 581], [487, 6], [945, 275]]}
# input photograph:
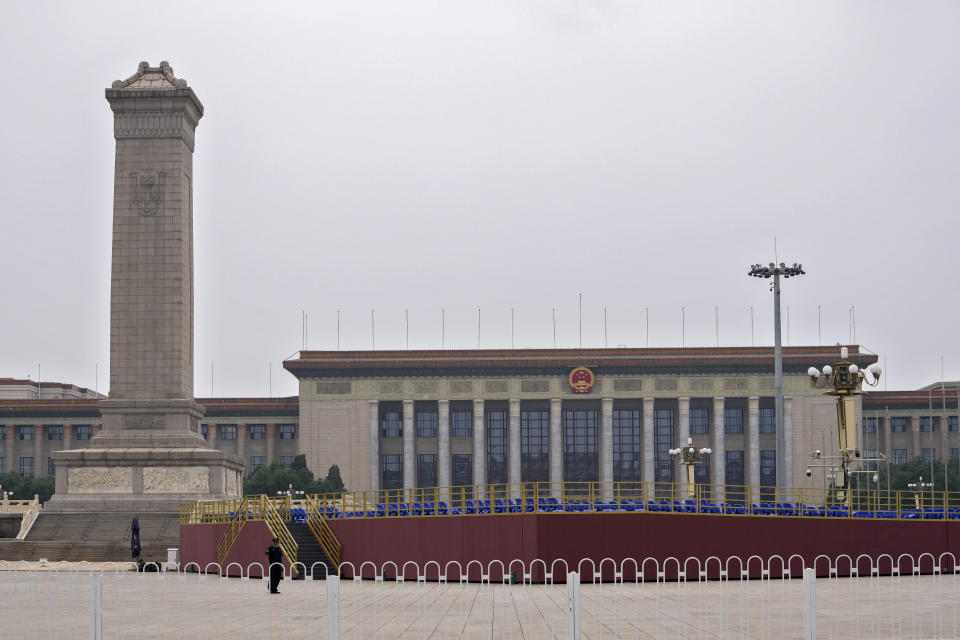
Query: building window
{"points": [[204, 431], [256, 462], [626, 445], [535, 446], [898, 425], [768, 468], [663, 442], [954, 452], [580, 446], [393, 471], [287, 462], [3, 432], [426, 469], [26, 466], [953, 423], [51, 468], [462, 475], [426, 424], [899, 456], [699, 422], [733, 421], [461, 424], [287, 431], [82, 431], [926, 424], [3, 464], [869, 425], [462, 469], [496, 447], [228, 432], [929, 453], [391, 424], [258, 432], [25, 432], [734, 473], [768, 420], [54, 431], [701, 475]]}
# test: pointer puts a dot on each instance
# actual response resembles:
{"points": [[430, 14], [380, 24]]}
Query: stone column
{"points": [[606, 447], [271, 444], [212, 435], [649, 458], [556, 443], [790, 481], [915, 431], [443, 444], [683, 432], [718, 459], [67, 436], [242, 446], [513, 450], [374, 445], [944, 444], [883, 425], [479, 444], [409, 447], [11, 438], [753, 442], [39, 462]]}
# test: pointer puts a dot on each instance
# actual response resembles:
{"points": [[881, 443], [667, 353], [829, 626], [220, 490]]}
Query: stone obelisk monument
{"points": [[150, 454]]}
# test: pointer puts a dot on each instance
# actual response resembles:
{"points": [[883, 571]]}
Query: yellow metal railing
{"points": [[321, 530], [274, 512], [575, 497], [237, 518]]}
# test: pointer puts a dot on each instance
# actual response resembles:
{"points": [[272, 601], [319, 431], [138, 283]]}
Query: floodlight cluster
{"points": [[760, 271]]}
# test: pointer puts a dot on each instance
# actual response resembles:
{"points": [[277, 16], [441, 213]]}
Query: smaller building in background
{"points": [[64, 417]]}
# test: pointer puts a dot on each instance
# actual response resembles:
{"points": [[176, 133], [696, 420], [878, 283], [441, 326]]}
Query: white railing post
{"points": [[809, 604], [573, 605], [333, 607], [96, 607]]}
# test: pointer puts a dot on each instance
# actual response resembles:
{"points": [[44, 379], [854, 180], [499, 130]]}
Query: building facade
{"points": [[407, 419], [901, 425], [260, 430]]}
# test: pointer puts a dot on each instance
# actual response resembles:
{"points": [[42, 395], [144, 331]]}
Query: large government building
{"points": [[406, 419]]}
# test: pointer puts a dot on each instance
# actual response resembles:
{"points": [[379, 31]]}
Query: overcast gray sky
{"points": [[497, 155]]}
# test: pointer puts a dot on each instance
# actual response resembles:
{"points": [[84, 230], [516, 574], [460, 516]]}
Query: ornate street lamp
{"points": [[775, 271], [845, 380], [689, 456], [918, 488]]}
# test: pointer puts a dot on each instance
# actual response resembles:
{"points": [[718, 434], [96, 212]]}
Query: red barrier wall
{"points": [[595, 536], [198, 544]]}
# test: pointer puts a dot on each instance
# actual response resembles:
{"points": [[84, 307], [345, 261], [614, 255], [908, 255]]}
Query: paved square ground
{"points": [[56, 604]]}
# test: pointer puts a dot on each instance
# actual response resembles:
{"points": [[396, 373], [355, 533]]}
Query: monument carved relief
{"points": [[100, 479], [146, 192], [176, 480]]}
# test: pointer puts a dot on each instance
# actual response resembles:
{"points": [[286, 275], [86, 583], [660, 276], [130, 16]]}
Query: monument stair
{"points": [[95, 537], [309, 552]]}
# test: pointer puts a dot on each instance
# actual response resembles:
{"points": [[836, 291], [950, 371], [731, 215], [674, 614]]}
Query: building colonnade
{"points": [[413, 443]]}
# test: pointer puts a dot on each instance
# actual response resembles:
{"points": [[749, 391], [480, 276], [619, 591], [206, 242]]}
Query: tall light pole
{"points": [[775, 271]]}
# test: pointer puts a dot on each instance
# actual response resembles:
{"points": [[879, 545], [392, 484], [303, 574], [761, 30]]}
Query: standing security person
{"points": [[274, 558]]}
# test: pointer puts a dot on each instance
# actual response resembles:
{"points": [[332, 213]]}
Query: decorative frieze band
{"points": [[154, 124]]}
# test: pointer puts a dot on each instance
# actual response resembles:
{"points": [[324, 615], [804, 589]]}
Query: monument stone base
{"points": [[149, 457]]}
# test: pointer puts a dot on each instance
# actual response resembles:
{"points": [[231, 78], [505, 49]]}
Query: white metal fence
{"points": [[883, 597]]}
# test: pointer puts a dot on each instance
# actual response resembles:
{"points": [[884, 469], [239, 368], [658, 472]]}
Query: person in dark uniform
{"points": [[274, 558]]}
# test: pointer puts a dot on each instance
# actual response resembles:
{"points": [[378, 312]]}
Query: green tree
{"points": [[25, 487], [277, 478], [333, 483], [910, 472]]}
